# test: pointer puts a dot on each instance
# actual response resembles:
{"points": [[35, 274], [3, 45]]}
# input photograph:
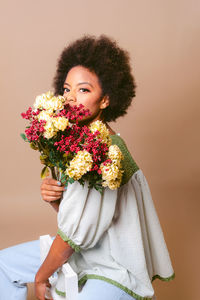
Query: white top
{"points": [[117, 236]]}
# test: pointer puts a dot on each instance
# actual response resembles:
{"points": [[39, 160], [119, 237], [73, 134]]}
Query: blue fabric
{"points": [[18, 266], [95, 289], [20, 263]]}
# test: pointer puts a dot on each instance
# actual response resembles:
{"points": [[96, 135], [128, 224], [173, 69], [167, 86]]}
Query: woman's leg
{"points": [[18, 266], [95, 289]]}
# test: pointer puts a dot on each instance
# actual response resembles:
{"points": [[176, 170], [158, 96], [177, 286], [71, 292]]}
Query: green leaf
{"points": [[43, 156], [63, 178], [52, 157], [44, 172], [24, 137], [71, 180], [33, 146], [81, 182], [61, 165], [99, 189]]}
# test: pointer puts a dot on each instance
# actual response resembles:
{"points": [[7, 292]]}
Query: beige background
{"points": [[161, 128]]}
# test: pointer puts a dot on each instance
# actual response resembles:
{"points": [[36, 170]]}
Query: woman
{"points": [[113, 241]]}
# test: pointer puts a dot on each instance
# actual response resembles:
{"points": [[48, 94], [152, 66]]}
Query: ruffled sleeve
{"points": [[141, 238], [84, 215]]}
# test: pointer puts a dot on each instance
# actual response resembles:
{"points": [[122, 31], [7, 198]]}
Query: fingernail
{"points": [[59, 183]]}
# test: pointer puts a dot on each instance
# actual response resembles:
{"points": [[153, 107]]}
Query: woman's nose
{"points": [[70, 97]]}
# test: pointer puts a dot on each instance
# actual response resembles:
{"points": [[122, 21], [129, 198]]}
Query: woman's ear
{"points": [[104, 102]]}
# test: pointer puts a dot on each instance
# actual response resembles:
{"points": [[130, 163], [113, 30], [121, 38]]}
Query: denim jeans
{"points": [[20, 263]]}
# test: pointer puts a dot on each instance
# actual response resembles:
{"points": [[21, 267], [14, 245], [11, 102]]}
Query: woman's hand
{"points": [[40, 289], [51, 190]]}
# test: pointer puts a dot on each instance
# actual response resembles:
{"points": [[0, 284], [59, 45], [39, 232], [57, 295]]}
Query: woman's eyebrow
{"points": [[80, 83], [85, 82]]}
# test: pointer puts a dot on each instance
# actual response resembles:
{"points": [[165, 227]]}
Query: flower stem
{"points": [[53, 173]]}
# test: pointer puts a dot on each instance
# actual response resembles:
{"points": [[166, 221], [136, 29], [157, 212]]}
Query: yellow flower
{"points": [[49, 102], [60, 123], [41, 100], [55, 103], [113, 184], [109, 171], [104, 132], [48, 95], [52, 124], [49, 129], [111, 175], [44, 115], [79, 165], [115, 154]]}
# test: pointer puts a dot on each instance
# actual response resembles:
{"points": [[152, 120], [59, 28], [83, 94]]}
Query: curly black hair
{"points": [[109, 62]]}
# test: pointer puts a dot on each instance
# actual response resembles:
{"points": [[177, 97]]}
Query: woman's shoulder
{"points": [[128, 163]]}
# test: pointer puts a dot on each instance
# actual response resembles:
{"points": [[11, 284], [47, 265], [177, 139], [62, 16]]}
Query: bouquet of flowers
{"points": [[71, 151]]}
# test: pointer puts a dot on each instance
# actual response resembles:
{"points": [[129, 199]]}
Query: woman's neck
{"points": [[112, 132]]}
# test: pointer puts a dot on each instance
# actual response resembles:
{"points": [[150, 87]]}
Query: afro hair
{"points": [[109, 62]]}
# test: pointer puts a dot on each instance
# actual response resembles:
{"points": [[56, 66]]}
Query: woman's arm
{"points": [[51, 192], [58, 254]]}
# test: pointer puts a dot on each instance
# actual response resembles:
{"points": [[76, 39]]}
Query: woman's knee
{"points": [[20, 262]]}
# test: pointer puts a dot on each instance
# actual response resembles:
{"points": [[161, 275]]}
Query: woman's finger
{"points": [[50, 187], [51, 181], [46, 194], [50, 198], [51, 193]]}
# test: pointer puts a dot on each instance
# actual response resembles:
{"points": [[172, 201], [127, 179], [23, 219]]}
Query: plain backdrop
{"points": [[161, 128]]}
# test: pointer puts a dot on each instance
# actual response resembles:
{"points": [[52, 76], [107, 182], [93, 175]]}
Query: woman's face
{"points": [[82, 87]]}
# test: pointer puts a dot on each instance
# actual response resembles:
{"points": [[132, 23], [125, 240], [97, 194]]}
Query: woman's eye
{"points": [[84, 90], [65, 90]]}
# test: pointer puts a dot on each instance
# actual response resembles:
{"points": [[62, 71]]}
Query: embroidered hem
{"points": [[163, 278], [125, 289]]}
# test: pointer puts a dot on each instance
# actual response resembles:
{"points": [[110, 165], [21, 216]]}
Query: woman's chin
{"points": [[88, 120], [85, 122]]}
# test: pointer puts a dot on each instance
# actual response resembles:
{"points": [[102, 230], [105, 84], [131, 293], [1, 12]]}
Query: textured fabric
{"points": [[84, 214], [95, 289], [128, 164], [118, 234], [18, 266]]}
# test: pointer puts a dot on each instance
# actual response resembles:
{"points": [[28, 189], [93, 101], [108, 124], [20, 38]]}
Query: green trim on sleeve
{"points": [[128, 164], [70, 242], [162, 278]]}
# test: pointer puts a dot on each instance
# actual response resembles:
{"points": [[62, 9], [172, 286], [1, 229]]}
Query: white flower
{"points": [[60, 123], [44, 115], [55, 103], [49, 102], [41, 100], [49, 129]]}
